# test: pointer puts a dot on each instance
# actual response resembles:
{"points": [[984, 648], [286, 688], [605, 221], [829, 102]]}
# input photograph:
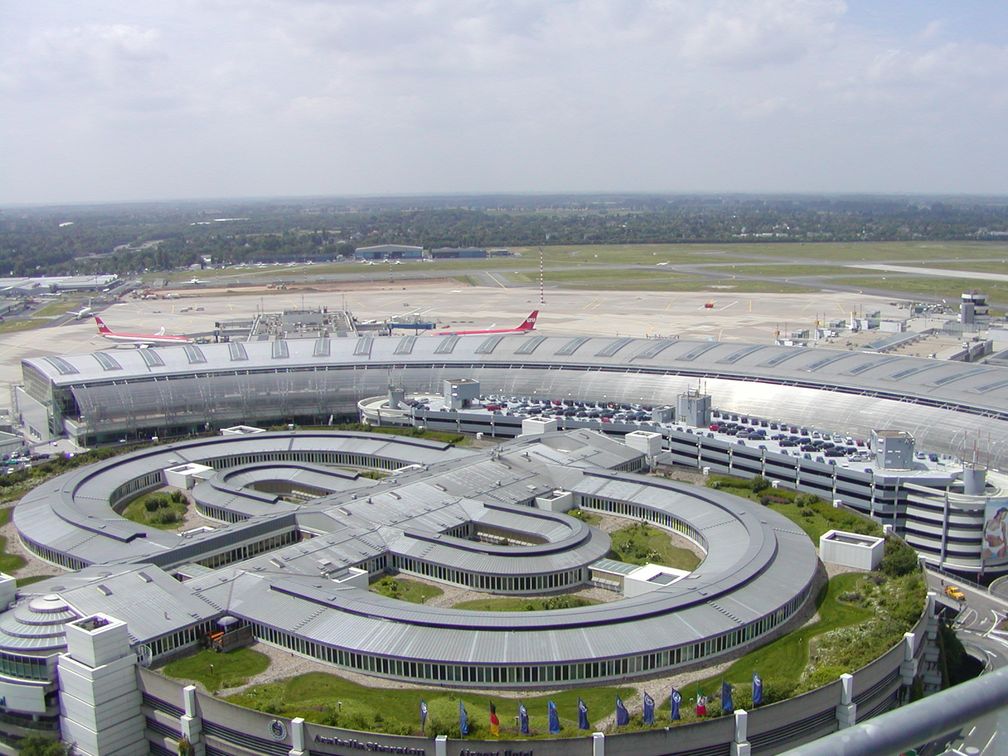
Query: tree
{"points": [[43, 745]]}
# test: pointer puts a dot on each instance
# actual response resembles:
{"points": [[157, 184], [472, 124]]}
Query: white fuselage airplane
{"points": [[527, 325], [83, 312], [140, 339]]}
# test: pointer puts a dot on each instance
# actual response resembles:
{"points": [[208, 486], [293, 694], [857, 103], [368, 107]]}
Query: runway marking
{"points": [[722, 309], [668, 307], [987, 744], [496, 280], [970, 733], [593, 305]]}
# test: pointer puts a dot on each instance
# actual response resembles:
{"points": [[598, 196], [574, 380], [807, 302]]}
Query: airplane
{"points": [[140, 339], [196, 281], [527, 325], [83, 312]]}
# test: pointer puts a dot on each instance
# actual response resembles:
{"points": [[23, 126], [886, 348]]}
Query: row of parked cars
{"points": [[606, 412]]}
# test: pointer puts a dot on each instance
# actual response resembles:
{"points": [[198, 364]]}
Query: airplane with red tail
{"points": [[527, 325], [140, 339]]}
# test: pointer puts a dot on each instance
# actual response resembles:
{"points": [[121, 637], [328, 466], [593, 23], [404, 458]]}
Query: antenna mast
{"points": [[542, 288]]}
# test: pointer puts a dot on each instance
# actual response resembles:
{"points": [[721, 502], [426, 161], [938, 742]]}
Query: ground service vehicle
{"points": [[954, 593]]}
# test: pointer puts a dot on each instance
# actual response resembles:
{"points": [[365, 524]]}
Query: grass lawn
{"points": [[931, 286], [782, 662], [9, 563], [405, 590], [157, 510], [817, 517], [21, 581], [215, 670], [659, 279], [519, 604], [455, 439], [589, 518], [641, 543], [332, 700], [23, 324], [809, 512]]}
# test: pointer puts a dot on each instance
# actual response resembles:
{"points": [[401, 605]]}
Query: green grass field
{"points": [[9, 563], [615, 279], [810, 513], [782, 663], [21, 581], [157, 510], [405, 590], [520, 604], [332, 700], [585, 516], [641, 543], [216, 671]]}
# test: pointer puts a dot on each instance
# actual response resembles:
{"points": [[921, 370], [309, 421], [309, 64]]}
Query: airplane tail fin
{"points": [[529, 323], [102, 328]]}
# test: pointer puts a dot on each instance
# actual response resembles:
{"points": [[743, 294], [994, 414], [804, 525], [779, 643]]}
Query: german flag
{"points": [[494, 722]]}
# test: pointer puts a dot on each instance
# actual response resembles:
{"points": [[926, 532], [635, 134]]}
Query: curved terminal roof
{"points": [[850, 389]]}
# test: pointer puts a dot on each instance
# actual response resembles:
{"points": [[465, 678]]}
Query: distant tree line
{"points": [[132, 238]]}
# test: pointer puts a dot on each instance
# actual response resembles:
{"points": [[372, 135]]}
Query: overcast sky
{"points": [[137, 99]]}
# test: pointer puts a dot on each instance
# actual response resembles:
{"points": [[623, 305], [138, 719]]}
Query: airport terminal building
{"points": [[300, 532], [115, 395]]}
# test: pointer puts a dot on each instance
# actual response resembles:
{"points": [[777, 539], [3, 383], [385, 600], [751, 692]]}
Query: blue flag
{"points": [[423, 713], [523, 719], [622, 715], [583, 715], [674, 702], [463, 720], [554, 719], [757, 689], [648, 710], [727, 706]]}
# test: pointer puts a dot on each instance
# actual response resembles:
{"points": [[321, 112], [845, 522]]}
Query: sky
{"points": [[141, 100]]}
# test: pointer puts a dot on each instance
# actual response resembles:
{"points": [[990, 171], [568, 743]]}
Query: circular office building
{"points": [[299, 533]]}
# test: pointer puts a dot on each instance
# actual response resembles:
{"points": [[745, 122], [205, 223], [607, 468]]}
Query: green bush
{"points": [[153, 503], [899, 559], [165, 517], [42, 745]]}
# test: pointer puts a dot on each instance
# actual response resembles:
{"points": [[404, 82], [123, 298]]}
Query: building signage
{"points": [[369, 746], [277, 730], [995, 538]]}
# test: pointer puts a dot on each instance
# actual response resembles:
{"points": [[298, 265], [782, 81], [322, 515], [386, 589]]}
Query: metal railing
{"points": [[916, 723]]}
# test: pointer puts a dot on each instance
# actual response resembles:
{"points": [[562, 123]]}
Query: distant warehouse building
{"points": [[389, 252], [455, 253]]}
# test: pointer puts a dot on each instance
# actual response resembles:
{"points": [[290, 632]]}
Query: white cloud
{"points": [[305, 96]]}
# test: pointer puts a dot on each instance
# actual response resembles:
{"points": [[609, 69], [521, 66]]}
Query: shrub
{"points": [[42, 745], [899, 559], [760, 483], [154, 503], [164, 517]]}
